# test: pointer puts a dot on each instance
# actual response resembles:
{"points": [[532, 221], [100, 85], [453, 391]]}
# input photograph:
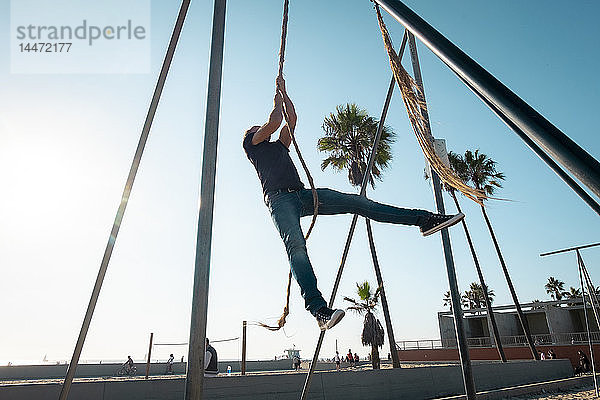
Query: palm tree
{"points": [[573, 293], [349, 135], [448, 300], [372, 334], [481, 171], [555, 288], [537, 305], [475, 296], [468, 300], [460, 168]]}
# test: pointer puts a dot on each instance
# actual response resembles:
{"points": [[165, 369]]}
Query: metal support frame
{"points": [[137, 158], [488, 303], [194, 383], [584, 276], [587, 325], [384, 302], [463, 348], [363, 191], [511, 288], [533, 125]]}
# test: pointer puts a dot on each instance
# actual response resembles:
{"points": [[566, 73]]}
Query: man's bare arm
{"points": [[285, 135], [275, 119]]}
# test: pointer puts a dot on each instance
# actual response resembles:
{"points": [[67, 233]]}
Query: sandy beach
{"points": [[574, 394]]}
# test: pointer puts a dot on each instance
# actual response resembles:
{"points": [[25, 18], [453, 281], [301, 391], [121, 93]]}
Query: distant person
{"points": [[551, 354], [288, 200], [169, 369], [356, 359], [296, 362], [584, 363], [128, 367], [542, 355], [337, 360], [210, 361], [350, 357]]}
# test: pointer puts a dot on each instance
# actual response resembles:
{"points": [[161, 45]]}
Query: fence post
{"points": [[149, 354], [244, 348]]}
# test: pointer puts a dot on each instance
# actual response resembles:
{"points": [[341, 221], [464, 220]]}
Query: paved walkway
{"points": [[575, 394]]}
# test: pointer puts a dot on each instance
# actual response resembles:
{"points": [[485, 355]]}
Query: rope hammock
{"points": [[416, 109], [286, 309]]}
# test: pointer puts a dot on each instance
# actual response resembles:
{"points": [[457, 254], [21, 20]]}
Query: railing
{"points": [[507, 341]]}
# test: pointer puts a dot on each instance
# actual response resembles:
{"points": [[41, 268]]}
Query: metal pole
{"points": [[463, 349], [587, 324], [511, 288], [540, 153], [66, 387], [244, 324], [488, 303], [384, 303], [194, 383], [338, 277], [149, 354], [570, 249], [559, 146], [591, 288]]}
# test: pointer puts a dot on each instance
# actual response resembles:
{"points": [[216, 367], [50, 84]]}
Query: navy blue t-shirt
{"points": [[273, 165]]}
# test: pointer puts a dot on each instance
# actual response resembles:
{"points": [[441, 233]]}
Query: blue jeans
{"points": [[288, 207]]}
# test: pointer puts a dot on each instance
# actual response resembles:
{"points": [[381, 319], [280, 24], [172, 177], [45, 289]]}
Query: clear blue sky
{"points": [[66, 142]]}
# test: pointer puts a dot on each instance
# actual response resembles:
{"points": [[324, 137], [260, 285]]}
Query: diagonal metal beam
{"points": [[533, 125], [363, 191], [455, 298], [64, 393]]}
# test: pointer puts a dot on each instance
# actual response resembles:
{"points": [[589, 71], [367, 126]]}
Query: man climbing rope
{"points": [[288, 201]]}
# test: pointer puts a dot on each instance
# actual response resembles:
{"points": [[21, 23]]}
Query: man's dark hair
{"points": [[252, 129]]}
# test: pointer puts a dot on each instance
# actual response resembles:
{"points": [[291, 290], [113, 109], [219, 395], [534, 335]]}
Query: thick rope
{"points": [[416, 108], [286, 309]]}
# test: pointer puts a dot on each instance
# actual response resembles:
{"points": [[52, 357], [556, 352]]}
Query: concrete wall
{"points": [[413, 383], [538, 325], [446, 323], [578, 318], [559, 320], [508, 324], [23, 372]]}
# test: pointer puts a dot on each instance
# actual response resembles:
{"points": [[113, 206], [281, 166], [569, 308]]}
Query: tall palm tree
{"points": [[460, 168], [555, 288], [349, 135], [372, 334], [481, 171]]}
